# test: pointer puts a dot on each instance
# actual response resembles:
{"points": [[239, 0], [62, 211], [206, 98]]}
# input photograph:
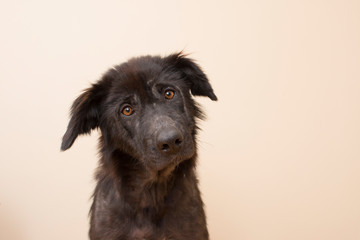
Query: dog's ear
{"points": [[85, 112], [194, 76]]}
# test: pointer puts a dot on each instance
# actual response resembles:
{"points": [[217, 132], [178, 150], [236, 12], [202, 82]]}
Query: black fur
{"points": [[146, 182]]}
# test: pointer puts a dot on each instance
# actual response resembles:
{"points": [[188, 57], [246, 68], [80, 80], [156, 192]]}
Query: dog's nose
{"points": [[169, 140]]}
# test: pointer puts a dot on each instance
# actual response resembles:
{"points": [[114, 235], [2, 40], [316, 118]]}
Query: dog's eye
{"points": [[127, 111], [169, 94]]}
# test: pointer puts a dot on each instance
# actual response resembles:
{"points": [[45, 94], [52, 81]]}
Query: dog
{"points": [[146, 181]]}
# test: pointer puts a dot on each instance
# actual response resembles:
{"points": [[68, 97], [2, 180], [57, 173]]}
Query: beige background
{"points": [[279, 154]]}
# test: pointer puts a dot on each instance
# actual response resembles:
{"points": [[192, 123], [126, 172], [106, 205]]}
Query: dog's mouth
{"points": [[161, 161]]}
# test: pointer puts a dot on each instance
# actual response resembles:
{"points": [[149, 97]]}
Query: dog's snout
{"points": [[169, 140]]}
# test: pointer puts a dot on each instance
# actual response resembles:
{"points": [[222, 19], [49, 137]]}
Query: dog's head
{"points": [[144, 109]]}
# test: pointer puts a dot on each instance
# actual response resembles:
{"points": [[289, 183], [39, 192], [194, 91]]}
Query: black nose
{"points": [[169, 140]]}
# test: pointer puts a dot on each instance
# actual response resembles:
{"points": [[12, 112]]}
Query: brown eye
{"points": [[169, 94], [127, 111]]}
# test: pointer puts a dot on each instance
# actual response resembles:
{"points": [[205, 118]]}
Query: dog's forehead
{"points": [[135, 77], [138, 76]]}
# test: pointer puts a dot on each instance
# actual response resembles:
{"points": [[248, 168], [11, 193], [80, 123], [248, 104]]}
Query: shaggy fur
{"points": [[146, 182]]}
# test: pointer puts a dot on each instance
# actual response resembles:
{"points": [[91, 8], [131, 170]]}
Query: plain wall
{"points": [[279, 153]]}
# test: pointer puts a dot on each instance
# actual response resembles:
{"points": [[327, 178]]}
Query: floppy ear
{"points": [[194, 76], [85, 114]]}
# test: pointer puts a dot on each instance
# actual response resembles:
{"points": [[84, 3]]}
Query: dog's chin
{"points": [[161, 162]]}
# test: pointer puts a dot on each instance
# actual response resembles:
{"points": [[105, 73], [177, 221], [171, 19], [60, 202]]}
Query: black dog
{"points": [[146, 181]]}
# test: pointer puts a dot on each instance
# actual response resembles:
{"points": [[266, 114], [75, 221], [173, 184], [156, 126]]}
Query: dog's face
{"points": [[144, 109]]}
